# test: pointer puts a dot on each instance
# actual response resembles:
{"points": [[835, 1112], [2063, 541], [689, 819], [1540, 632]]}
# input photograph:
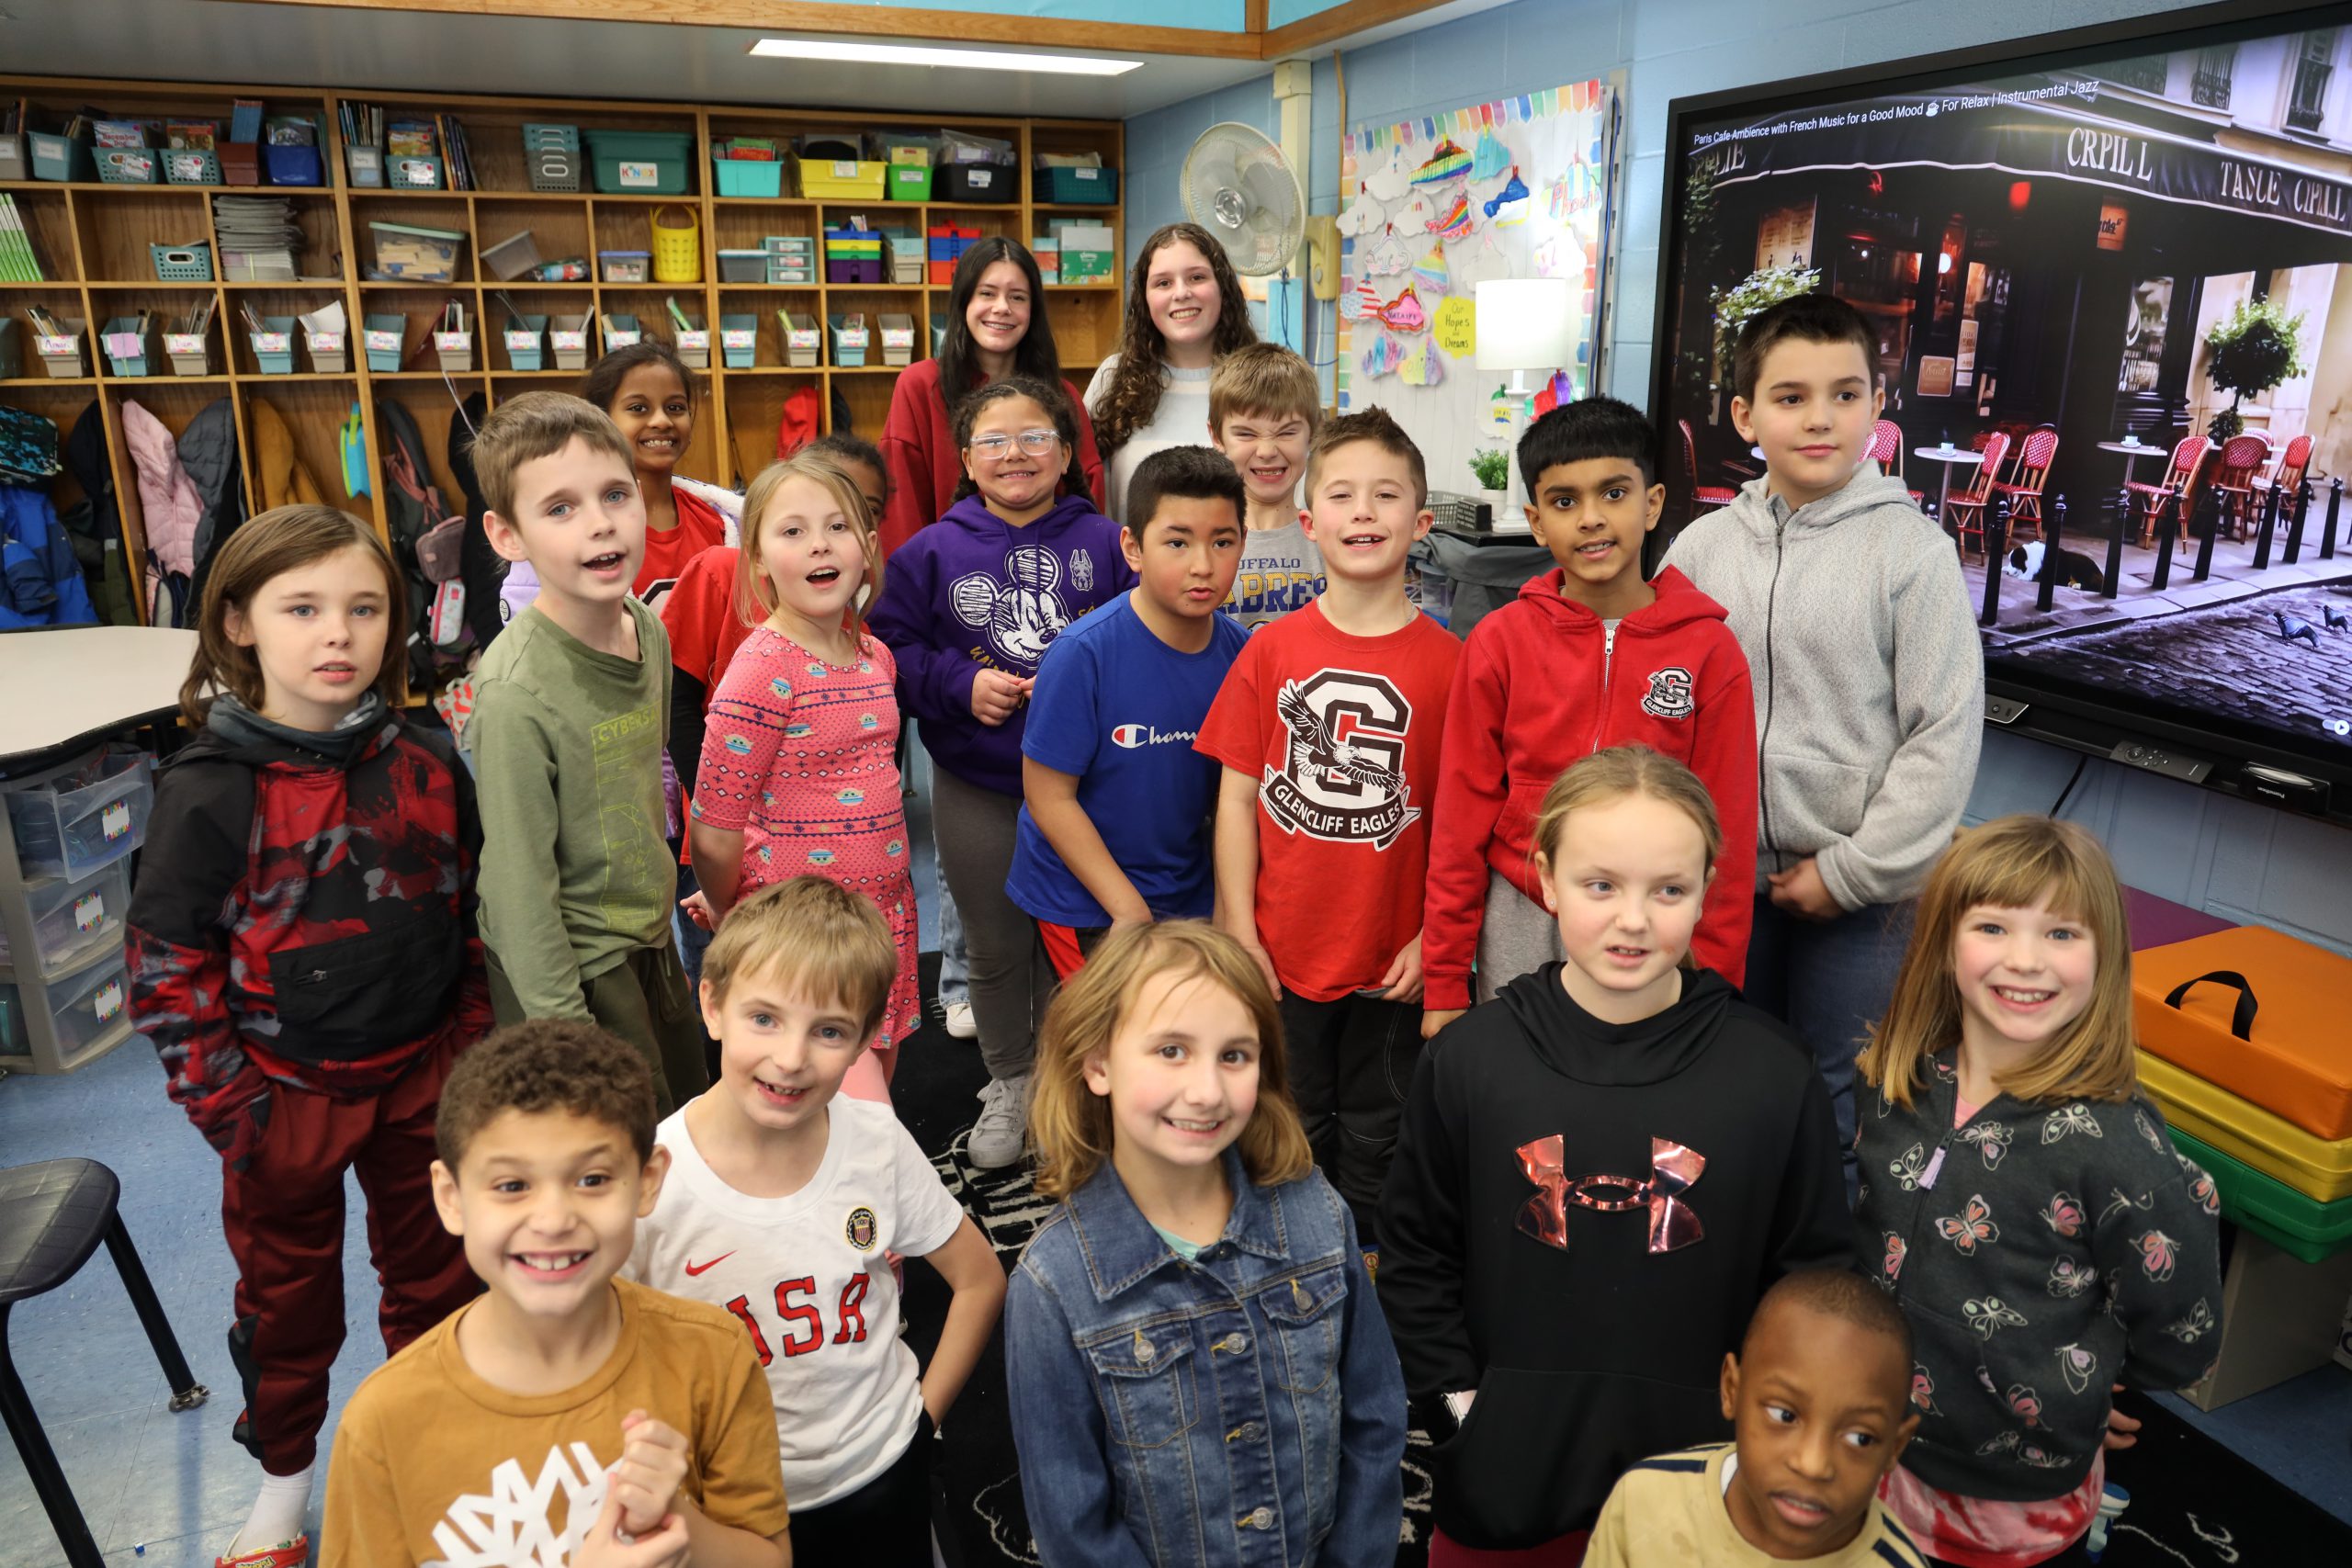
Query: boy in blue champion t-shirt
{"points": [[1114, 826]]}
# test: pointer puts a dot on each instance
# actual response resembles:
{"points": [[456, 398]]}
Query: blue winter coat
{"points": [[41, 583]]}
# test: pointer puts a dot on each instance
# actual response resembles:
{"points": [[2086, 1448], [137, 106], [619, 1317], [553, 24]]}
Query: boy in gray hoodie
{"points": [[1870, 682]]}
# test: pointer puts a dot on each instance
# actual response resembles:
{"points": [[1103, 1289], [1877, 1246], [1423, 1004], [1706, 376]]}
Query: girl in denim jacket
{"points": [[1200, 1376]]}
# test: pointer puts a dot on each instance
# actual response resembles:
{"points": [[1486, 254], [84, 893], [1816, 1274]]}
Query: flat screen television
{"points": [[2113, 267]]}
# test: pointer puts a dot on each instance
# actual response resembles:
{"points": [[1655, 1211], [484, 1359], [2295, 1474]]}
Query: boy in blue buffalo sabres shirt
{"points": [[1114, 826]]}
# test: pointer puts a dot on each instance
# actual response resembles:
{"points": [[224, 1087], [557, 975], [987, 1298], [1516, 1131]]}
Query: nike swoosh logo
{"points": [[695, 1268]]}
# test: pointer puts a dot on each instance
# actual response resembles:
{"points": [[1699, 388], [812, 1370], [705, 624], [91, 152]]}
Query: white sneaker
{"points": [[961, 1025], [1003, 1123]]}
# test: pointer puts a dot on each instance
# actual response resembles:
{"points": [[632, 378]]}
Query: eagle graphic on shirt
{"points": [[1342, 777]]}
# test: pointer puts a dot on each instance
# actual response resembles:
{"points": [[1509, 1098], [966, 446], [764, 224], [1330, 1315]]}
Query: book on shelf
{"points": [[19, 263]]}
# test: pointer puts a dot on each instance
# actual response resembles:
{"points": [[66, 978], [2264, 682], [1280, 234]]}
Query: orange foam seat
{"points": [[2272, 1032]]}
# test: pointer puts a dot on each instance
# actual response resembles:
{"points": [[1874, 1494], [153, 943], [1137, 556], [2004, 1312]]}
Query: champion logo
{"points": [[1135, 735], [695, 1268]]}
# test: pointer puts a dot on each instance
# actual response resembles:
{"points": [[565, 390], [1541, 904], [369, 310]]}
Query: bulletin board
{"points": [[1522, 187]]}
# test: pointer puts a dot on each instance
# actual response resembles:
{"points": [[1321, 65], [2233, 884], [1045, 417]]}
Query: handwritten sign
{"points": [[1457, 326]]}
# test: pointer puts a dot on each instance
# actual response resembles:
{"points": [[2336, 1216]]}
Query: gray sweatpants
{"points": [[1516, 936], [1011, 978]]}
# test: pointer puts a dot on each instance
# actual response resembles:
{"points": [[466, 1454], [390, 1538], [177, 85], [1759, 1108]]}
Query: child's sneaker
{"points": [[961, 1024], [285, 1554], [997, 1136]]}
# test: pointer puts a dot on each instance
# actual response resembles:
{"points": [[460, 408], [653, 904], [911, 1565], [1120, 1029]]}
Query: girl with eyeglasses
{"points": [[969, 608]]}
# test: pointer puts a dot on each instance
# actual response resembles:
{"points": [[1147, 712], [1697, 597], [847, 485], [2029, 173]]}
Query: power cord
{"points": [[2060, 804]]}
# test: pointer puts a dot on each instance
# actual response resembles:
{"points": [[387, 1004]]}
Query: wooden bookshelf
{"points": [[92, 240]]}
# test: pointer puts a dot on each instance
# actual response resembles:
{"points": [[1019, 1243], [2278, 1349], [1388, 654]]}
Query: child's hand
{"points": [[698, 908], [1433, 1022], [996, 695], [1265, 962], [602, 1547], [653, 1461], [1402, 981], [1801, 892], [2123, 1430]]}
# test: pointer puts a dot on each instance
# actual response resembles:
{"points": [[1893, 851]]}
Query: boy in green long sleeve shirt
{"points": [[570, 712]]}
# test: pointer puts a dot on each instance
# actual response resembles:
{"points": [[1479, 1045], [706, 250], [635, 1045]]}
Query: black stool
{"points": [[52, 1216]]}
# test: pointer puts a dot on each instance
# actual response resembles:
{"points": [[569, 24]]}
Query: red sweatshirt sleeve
{"points": [[906, 452], [1471, 789], [1090, 459], [1723, 756], [179, 938]]}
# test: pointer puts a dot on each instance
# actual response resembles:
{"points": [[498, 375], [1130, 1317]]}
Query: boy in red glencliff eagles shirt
{"points": [[1587, 656]]}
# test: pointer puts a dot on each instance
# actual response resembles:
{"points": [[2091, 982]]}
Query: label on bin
{"points": [[453, 342], [326, 342], [646, 175], [273, 343], [124, 345], [845, 169], [114, 820], [383, 342], [739, 337], [109, 1000], [700, 339], [59, 347], [89, 913], [979, 179], [184, 343], [574, 338], [522, 340]]}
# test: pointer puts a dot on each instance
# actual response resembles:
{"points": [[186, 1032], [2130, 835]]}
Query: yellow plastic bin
{"points": [[677, 246]]}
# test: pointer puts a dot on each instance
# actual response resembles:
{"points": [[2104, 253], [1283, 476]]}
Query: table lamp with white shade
{"points": [[1524, 323]]}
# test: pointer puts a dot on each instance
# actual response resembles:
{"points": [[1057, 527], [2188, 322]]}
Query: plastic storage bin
{"points": [[190, 353], [553, 154], [131, 352], [416, 171], [748, 176], [626, 267], [366, 167], [73, 919], [382, 335], [57, 158], [83, 1008], [512, 257], [620, 329], [64, 355], [129, 165], [693, 343], [567, 337], [526, 340], [182, 263], [843, 179], [804, 340], [274, 345], [898, 337], [909, 182], [195, 166], [14, 164], [455, 350], [742, 266], [72, 819], [293, 165], [977, 183], [849, 340], [330, 351], [410, 255], [640, 162], [738, 339], [1090, 188]]}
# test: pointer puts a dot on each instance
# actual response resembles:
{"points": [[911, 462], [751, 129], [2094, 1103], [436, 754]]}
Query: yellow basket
{"points": [[677, 246]]}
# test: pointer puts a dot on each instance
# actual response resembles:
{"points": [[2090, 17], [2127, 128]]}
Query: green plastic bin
{"points": [[640, 163]]}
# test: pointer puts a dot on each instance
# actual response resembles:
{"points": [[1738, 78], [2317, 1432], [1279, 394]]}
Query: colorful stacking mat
{"points": [[2270, 1209], [2318, 1168], [2256, 1013]]}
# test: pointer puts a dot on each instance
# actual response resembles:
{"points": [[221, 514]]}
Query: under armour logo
{"points": [[1673, 1170]]}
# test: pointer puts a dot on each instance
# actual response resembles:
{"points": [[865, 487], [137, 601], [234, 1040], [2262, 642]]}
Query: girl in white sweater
{"points": [[1185, 312]]}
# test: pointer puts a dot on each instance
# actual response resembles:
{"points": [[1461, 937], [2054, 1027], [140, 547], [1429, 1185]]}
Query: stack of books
{"points": [[18, 262]]}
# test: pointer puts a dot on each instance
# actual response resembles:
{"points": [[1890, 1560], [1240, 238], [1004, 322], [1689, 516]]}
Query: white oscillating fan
{"points": [[1239, 186]]}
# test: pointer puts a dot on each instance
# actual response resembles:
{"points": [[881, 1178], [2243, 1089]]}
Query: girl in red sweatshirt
{"points": [[1588, 656], [995, 327]]}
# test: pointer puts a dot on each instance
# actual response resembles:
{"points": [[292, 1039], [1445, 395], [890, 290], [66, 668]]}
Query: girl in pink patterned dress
{"points": [[797, 775]]}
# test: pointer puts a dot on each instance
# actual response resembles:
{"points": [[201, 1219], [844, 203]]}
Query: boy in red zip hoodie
{"points": [[1587, 656]]}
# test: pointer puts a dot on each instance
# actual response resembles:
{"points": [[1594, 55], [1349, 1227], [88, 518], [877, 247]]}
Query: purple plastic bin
{"points": [[852, 272]]}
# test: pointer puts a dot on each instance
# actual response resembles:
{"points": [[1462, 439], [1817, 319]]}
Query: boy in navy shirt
{"points": [[1115, 822]]}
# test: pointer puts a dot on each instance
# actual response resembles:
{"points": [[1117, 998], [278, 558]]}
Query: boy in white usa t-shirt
{"points": [[785, 1204]]}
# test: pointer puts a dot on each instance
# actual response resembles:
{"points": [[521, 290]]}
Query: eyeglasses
{"points": [[996, 443]]}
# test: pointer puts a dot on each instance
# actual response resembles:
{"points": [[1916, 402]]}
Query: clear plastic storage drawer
{"points": [[84, 1007], [73, 820], [74, 919]]}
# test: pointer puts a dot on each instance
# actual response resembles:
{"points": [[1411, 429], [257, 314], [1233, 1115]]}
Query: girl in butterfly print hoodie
{"points": [[2046, 1243]]}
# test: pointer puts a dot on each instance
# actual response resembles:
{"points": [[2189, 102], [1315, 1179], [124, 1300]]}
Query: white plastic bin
{"points": [[74, 919], [73, 819], [82, 1008]]}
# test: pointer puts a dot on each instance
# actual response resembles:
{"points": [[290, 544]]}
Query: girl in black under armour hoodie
{"points": [[1598, 1173]]}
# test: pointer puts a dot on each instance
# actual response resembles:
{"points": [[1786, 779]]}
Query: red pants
{"points": [[284, 1217]]}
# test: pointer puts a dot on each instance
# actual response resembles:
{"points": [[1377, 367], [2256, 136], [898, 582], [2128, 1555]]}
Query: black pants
{"points": [[883, 1524], [1351, 1067]]}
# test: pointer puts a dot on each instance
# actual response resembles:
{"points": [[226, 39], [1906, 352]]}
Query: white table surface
{"points": [[1948, 454], [83, 682]]}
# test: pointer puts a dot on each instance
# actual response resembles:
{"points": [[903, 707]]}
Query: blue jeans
{"points": [[1829, 980]]}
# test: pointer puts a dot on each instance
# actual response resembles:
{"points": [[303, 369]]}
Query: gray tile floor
{"points": [[165, 1490]]}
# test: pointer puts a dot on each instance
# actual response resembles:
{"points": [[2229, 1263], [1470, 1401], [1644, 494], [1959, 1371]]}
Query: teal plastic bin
{"points": [[640, 162], [526, 342], [738, 339], [384, 334], [274, 345]]}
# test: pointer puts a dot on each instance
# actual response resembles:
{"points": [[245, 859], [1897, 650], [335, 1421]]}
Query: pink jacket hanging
{"points": [[168, 503]]}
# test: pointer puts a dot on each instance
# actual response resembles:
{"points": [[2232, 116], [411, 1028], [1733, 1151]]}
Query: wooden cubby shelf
{"points": [[92, 240]]}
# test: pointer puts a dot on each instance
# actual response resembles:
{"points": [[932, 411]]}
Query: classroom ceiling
{"points": [[230, 41]]}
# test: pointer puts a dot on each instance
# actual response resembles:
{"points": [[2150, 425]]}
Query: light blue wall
{"points": [[2240, 862]]}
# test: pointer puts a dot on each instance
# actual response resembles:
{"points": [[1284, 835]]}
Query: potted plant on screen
{"points": [[1754, 294], [2253, 349], [1492, 469]]}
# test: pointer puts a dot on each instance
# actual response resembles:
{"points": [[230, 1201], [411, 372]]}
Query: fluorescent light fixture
{"points": [[927, 54]]}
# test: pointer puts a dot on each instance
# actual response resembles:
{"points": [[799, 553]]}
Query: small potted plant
{"points": [[1492, 469], [2254, 348]]}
